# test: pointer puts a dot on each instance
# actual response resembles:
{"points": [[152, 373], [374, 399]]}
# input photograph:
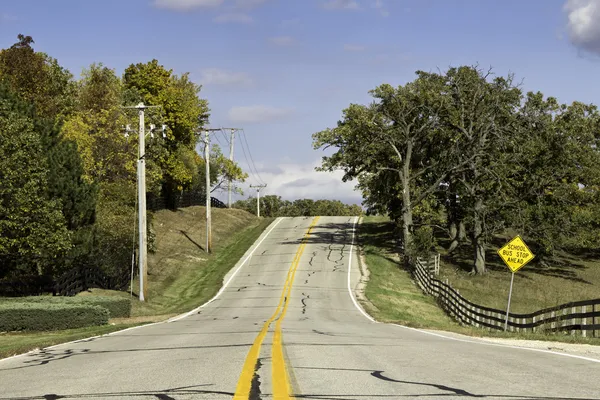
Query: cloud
{"points": [[583, 24], [7, 17], [378, 5], [354, 47], [186, 5], [282, 40], [249, 4], [299, 181], [341, 5], [258, 114], [216, 76], [234, 17]]}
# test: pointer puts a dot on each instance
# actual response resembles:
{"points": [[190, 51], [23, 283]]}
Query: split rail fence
{"points": [[579, 317]]}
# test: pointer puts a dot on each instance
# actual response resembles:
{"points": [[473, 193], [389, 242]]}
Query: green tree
{"points": [[37, 78], [184, 113], [33, 232]]}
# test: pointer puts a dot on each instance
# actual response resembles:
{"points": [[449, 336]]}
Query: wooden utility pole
{"points": [[258, 187], [141, 177]]}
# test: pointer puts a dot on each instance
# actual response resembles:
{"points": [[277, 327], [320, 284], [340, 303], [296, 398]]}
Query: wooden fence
{"points": [[580, 317], [185, 199], [82, 278]]}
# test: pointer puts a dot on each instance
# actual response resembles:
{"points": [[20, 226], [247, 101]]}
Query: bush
{"points": [[117, 307], [16, 316]]}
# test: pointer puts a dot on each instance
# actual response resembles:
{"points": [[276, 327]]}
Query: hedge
{"points": [[15, 316], [117, 307]]}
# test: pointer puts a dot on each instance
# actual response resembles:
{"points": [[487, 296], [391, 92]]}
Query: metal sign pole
{"points": [[512, 278]]}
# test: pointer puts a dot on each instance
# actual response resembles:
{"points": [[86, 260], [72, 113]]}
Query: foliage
{"points": [[33, 231], [274, 206], [37, 78], [24, 316], [117, 307], [468, 150], [181, 110]]}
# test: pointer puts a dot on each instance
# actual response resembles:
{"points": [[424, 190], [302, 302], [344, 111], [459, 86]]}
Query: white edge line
{"points": [[195, 310], [160, 322], [480, 342], [349, 279]]}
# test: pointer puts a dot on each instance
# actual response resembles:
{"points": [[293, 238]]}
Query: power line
{"points": [[253, 164], [248, 161]]}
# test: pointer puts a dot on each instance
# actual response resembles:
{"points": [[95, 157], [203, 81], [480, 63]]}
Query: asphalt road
{"points": [[285, 325]]}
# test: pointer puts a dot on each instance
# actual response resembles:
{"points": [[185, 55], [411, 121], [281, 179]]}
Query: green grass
{"points": [[181, 275], [536, 286], [18, 343], [394, 297]]}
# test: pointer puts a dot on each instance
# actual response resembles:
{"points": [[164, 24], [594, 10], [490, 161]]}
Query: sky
{"points": [[285, 69]]}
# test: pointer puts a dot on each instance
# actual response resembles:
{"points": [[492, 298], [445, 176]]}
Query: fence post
{"points": [[594, 332], [553, 323], [583, 321], [572, 320], [533, 328]]}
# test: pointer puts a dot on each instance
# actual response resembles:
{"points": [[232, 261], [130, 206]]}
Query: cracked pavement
{"points": [[331, 351]]}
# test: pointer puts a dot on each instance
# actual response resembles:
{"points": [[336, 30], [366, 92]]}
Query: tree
{"points": [[97, 128], [182, 110], [221, 168], [480, 117], [390, 145], [33, 232], [37, 78]]}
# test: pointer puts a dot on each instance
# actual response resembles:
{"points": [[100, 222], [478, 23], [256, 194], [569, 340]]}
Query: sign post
{"points": [[515, 255]]}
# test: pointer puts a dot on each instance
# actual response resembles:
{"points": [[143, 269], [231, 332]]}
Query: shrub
{"points": [[17, 316], [117, 307]]}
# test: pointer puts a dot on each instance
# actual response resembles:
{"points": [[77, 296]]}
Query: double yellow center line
{"points": [[280, 379]]}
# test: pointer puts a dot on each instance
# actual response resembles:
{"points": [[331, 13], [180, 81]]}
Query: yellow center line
{"points": [[280, 378], [281, 385]]}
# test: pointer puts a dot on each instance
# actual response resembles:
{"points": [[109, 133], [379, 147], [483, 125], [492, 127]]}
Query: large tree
{"points": [[33, 230], [37, 78], [182, 110]]}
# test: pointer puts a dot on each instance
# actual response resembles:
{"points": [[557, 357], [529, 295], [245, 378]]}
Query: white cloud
{"points": [[298, 181], [354, 47], [249, 4], [186, 5], [584, 24], [234, 17], [7, 17], [282, 40], [378, 5], [258, 114], [216, 76], [341, 5]]}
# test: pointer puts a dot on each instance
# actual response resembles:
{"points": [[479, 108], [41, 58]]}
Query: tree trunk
{"points": [[478, 239], [462, 231], [407, 218]]}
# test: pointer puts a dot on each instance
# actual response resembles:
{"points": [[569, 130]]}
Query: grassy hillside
{"points": [[536, 286], [394, 297], [181, 275]]}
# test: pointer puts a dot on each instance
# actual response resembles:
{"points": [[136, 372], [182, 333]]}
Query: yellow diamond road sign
{"points": [[515, 254]]}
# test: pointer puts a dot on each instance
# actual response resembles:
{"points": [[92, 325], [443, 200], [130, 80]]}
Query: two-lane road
{"points": [[286, 326]]}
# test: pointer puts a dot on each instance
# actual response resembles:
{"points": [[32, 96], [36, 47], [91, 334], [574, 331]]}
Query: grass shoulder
{"points": [[13, 343], [392, 295], [181, 274]]}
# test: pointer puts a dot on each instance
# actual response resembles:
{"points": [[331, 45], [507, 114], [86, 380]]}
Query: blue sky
{"points": [[284, 69]]}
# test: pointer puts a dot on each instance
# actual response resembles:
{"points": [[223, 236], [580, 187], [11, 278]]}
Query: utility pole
{"points": [[258, 187], [207, 169], [141, 177], [231, 139], [230, 159]]}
